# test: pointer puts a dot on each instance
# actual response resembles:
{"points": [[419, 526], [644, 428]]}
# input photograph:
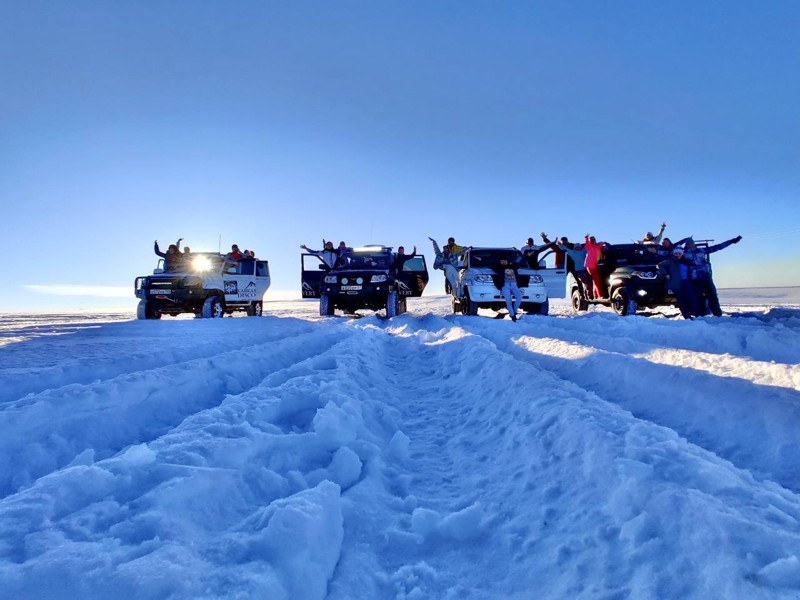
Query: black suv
{"points": [[630, 273], [363, 278]]}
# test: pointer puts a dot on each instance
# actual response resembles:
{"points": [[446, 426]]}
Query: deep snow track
{"points": [[428, 456]]}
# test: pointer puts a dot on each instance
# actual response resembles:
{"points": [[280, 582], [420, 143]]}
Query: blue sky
{"points": [[270, 125]]}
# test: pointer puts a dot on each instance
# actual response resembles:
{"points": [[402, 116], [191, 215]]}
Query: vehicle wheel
{"points": [[579, 304], [544, 308], [145, 310], [621, 303], [255, 309], [213, 308], [325, 306], [468, 307], [392, 304]]}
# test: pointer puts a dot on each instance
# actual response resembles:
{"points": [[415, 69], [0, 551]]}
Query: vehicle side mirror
{"points": [[158, 271], [542, 264]]}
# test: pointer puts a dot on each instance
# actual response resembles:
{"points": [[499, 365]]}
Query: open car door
{"points": [[311, 274], [411, 281], [555, 278]]}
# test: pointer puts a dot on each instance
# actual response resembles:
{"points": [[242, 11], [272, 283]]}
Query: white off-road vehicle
{"points": [[481, 281], [207, 285]]}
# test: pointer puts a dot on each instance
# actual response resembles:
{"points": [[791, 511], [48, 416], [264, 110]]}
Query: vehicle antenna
{"points": [[219, 247]]}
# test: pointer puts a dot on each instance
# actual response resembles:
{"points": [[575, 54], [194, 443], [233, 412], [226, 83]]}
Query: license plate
{"points": [[348, 288], [160, 292]]}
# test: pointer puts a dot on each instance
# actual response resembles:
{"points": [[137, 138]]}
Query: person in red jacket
{"points": [[594, 252]]}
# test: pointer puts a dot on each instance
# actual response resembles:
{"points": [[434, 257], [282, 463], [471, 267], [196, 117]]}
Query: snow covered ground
{"points": [[429, 456]]}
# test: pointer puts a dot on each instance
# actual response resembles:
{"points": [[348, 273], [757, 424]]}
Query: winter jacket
{"points": [[594, 252], [172, 261], [578, 257], [329, 257], [678, 271], [441, 259], [698, 257]]}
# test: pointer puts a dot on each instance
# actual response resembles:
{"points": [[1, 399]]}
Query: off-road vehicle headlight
{"points": [[378, 279], [483, 279], [330, 279], [644, 274], [537, 279]]}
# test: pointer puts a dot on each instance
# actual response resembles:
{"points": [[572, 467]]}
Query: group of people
{"points": [[685, 268], [177, 260]]}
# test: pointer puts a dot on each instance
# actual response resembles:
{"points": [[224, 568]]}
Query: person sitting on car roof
{"points": [[448, 262], [400, 259], [328, 255], [172, 257], [649, 238]]}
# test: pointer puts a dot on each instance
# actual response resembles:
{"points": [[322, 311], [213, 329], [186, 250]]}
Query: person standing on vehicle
{"points": [[172, 257], [511, 290], [448, 262], [530, 252], [453, 247], [578, 256], [560, 255], [328, 254], [594, 252], [675, 271], [649, 238], [400, 259], [700, 273]]}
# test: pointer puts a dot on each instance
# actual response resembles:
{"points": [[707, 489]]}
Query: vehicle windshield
{"points": [[494, 259], [204, 263], [364, 260], [638, 254]]}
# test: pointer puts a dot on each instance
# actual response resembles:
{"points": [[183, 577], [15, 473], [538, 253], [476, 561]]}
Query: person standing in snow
{"points": [[328, 254], [172, 257], [700, 273], [578, 256], [560, 255], [511, 290], [675, 271], [594, 252], [448, 262], [400, 259]]}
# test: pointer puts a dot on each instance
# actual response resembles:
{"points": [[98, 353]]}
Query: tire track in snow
{"points": [[88, 422], [114, 349], [640, 382]]}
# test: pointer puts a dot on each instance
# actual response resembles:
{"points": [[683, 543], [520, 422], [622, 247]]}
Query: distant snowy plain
{"points": [[428, 456]]}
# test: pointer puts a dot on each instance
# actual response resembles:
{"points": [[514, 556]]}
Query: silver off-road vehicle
{"points": [[481, 281], [207, 285]]}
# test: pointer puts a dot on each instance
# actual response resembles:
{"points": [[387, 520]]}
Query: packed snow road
{"points": [[427, 456]]}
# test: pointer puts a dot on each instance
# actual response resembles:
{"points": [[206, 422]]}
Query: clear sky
{"points": [[272, 124]]}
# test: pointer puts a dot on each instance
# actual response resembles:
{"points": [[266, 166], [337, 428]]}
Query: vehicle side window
{"points": [[246, 267], [262, 269], [414, 264]]}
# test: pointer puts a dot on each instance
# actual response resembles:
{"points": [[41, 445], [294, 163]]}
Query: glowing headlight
{"points": [[330, 279], [201, 264], [483, 278], [378, 279], [537, 279]]}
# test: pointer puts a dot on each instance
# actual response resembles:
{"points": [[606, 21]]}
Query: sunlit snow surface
{"points": [[428, 456]]}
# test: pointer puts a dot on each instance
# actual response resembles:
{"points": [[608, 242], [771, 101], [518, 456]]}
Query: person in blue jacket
{"points": [[700, 273], [675, 271]]}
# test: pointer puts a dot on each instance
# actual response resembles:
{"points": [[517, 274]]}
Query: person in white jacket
{"points": [[448, 262]]}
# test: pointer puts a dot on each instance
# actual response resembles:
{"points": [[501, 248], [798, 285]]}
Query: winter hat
{"points": [[678, 251]]}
